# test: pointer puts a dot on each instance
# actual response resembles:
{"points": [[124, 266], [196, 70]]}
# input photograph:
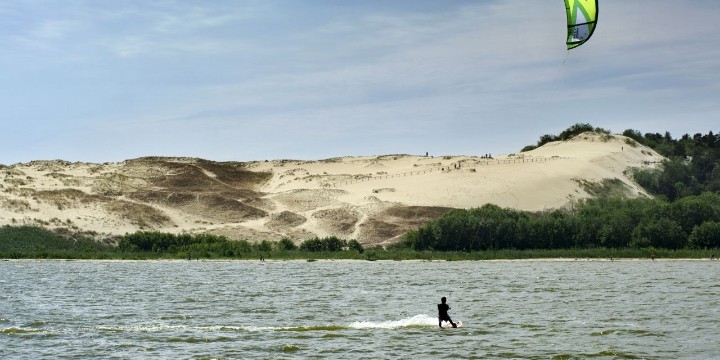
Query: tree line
{"points": [[691, 168], [692, 222], [18, 242], [209, 245]]}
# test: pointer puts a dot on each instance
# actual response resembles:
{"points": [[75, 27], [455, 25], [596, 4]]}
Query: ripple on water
{"points": [[533, 327], [29, 333], [612, 354], [290, 348], [176, 317], [638, 332], [22, 330], [195, 340]]}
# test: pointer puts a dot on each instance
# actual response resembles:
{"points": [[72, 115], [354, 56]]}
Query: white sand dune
{"points": [[373, 199]]}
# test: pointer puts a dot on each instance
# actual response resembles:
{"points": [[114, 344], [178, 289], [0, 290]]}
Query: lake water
{"points": [[359, 310]]}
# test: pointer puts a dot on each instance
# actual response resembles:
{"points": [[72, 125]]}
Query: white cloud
{"points": [[454, 75]]}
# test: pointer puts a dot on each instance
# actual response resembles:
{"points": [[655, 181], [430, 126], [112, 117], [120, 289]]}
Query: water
{"points": [[359, 310]]}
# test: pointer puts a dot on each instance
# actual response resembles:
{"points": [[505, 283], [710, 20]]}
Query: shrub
{"points": [[333, 244], [662, 233], [354, 245], [265, 246], [706, 235], [286, 244], [313, 245]]}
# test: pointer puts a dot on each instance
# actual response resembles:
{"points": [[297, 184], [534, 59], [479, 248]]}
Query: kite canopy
{"points": [[581, 21]]}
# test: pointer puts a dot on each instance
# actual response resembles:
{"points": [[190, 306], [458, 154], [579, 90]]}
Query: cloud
{"points": [[180, 28], [450, 73], [473, 60]]}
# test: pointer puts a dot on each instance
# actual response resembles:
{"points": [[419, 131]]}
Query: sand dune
{"points": [[373, 199]]}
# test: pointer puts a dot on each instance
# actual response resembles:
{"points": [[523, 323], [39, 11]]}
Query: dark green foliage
{"points": [[649, 179], [594, 223], [692, 211], [314, 245], [692, 167], [566, 134], [633, 134], [195, 246], [31, 242], [161, 242], [265, 245], [34, 242], [578, 129], [659, 233], [355, 246], [330, 244], [333, 243], [485, 228], [286, 245], [706, 235]]}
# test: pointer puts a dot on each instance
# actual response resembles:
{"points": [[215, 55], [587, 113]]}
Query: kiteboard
{"points": [[446, 324]]}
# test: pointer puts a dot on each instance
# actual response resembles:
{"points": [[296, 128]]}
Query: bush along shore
{"points": [[39, 243]]}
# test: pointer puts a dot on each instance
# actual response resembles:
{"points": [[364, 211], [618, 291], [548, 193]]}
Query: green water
{"points": [[359, 310]]}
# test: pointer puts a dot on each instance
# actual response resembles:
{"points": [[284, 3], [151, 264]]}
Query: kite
{"points": [[581, 21]]}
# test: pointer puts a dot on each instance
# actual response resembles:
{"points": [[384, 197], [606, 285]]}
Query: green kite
{"points": [[581, 21]]}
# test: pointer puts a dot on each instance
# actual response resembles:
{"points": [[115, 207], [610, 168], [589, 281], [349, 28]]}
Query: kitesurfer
{"points": [[443, 313]]}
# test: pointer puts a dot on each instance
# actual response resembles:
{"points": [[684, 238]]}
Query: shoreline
{"points": [[271, 261]]}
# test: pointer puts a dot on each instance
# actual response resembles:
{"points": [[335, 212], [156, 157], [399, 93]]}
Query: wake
{"points": [[415, 321]]}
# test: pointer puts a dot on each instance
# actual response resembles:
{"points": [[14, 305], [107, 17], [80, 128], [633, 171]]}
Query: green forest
{"points": [[681, 219]]}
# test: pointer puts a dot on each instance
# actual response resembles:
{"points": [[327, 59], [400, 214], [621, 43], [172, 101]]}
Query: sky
{"points": [[107, 81]]}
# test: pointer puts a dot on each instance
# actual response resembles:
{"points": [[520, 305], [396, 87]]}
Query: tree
{"points": [[286, 244], [660, 233], [576, 129], [333, 244], [706, 235], [265, 246], [692, 211], [355, 245], [674, 171], [634, 134], [649, 179], [312, 245]]}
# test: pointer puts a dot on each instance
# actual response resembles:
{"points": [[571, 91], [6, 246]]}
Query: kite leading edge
{"points": [[581, 21]]}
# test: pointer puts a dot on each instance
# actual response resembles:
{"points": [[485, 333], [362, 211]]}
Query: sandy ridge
{"points": [[373, 199]]}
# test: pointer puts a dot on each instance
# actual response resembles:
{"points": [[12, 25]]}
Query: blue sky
{"points": [[246, 80]]}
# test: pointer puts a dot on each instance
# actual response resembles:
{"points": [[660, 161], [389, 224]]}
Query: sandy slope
{"points": [[373, 199]]}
